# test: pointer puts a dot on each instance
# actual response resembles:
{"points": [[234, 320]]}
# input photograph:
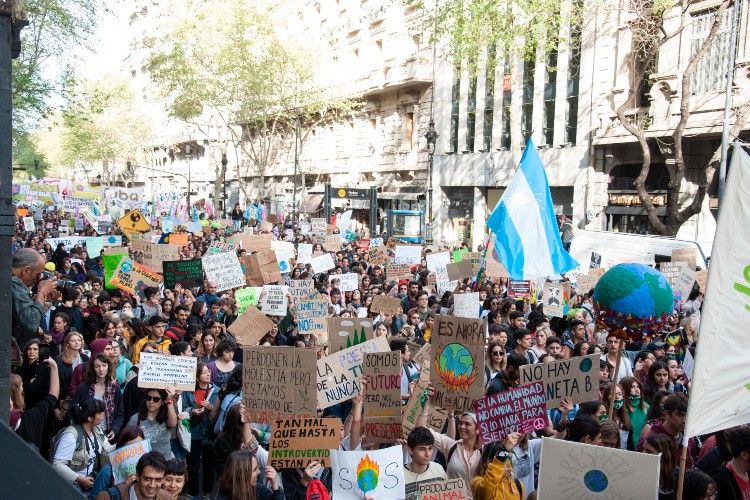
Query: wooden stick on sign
{"points": [[615, 377]]}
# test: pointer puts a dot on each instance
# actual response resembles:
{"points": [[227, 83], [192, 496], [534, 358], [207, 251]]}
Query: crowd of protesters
{"points": [[75, 394]]}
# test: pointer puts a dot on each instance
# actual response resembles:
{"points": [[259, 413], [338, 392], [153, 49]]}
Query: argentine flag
{"points": [[527, 238]]}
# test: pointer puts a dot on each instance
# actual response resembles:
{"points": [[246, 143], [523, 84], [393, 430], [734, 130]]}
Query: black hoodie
{"points": [[726, 486]]}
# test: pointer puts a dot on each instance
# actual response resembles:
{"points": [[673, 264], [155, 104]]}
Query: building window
{"points": [[550, 94], [408, 130], [471, 115], [574, 73], [489, 97], [507, 98], [455, 100], [710, 75], [527, 104]]}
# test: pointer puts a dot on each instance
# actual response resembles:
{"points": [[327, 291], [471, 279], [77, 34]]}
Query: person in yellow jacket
{"points": [[494, 479]]}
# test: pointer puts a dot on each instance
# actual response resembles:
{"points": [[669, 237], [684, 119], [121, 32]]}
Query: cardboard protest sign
{"points": [[311, 318], [466, 305], [253, 242], [304, 253], [318, 225], [347, 332], [278, 382], [575, 378], [322, 263], [416, 401], [224, 269], [398, 272], [154, 254], [458, 349], [261, 268], [284, 251], [686, 255], [493, 267], [110, 263], [178, 239], [382, 400], [519, 289], [246, 297], [133, 222], [133, 277], [459, 270], [577, 470], [586, 282], [339, 373], [437, 262], [385, 304], [671, 271], [347, 281], [221, 247], [685, 282], [519, 409], [378, 256], [188, 273], [295, 442], [455, 489], [274, 301], [125, 459], [250, 326], [377, 473], [28, 224], [332, 243], [408, 254], [553, 300], [301, 290], [158, 371]]}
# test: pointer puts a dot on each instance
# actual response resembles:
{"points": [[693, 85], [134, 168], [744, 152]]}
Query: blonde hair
{"points": [[68, 355]]}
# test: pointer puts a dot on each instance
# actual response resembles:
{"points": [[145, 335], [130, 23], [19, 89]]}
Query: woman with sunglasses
{"points": [[155, 418], [494, 361]]}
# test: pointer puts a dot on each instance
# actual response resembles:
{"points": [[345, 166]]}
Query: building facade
{"points": [[565, 101]]}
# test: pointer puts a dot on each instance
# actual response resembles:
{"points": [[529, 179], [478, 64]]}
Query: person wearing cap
{"points": [[658, 349], [157, 325], [463, 455]]}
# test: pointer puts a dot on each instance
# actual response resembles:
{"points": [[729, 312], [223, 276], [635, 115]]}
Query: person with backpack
{"points": [[80, 450], [494, 479]]}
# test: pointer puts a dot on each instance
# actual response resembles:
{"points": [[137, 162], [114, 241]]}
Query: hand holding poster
{"points": [[261, 268], [575, 378], [224, 269], [520, 409], [339, 374], [250, 327], [458, 346], [296, 442], [375, 473], [158, 371], [576, 470], [278, 382], [125, 459]]}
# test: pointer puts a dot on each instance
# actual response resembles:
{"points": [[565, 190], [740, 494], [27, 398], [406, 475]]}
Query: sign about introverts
{"points": [[340, 373], [382, 400], [575, 378], [158, 371], [295, 442], [520, 409], [458, 363], [225, 270], [278, 382]]}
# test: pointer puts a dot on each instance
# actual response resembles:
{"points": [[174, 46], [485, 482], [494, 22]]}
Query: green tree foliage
{"points": [[225, 68], [27, 157], [40, 73]]}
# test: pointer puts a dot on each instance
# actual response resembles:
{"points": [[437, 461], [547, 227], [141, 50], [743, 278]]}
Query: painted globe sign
{"points": [[631, 299]]}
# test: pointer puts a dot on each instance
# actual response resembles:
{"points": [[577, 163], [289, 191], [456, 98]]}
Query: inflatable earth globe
{"points": [[631, 299]]}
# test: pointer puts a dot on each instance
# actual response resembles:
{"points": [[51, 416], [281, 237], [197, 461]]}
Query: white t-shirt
{"points": [[434, 471]]}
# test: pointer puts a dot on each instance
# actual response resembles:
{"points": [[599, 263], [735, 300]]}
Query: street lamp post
{"points": [[431, 137], [224, 162], [296, 167]]}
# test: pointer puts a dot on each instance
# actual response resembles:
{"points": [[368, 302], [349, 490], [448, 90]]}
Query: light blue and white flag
{"points": [[527, 236]]}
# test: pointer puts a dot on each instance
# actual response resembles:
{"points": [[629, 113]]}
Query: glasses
{"points": [[154, 399], [497, 353]]}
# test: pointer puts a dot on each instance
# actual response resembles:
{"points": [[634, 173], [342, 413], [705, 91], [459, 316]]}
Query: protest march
{"points": [[325, 363]]}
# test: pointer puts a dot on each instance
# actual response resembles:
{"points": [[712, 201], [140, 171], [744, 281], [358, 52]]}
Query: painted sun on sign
{"points": [[454, 365]]}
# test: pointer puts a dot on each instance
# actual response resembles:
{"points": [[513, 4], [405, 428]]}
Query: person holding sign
{"points": [[495, 480], [156, 417], [198, 405], [463, 455], [240, 479]]}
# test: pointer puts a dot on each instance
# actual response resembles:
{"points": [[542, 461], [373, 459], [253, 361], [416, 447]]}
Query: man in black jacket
{"points": [[732, 480]]}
